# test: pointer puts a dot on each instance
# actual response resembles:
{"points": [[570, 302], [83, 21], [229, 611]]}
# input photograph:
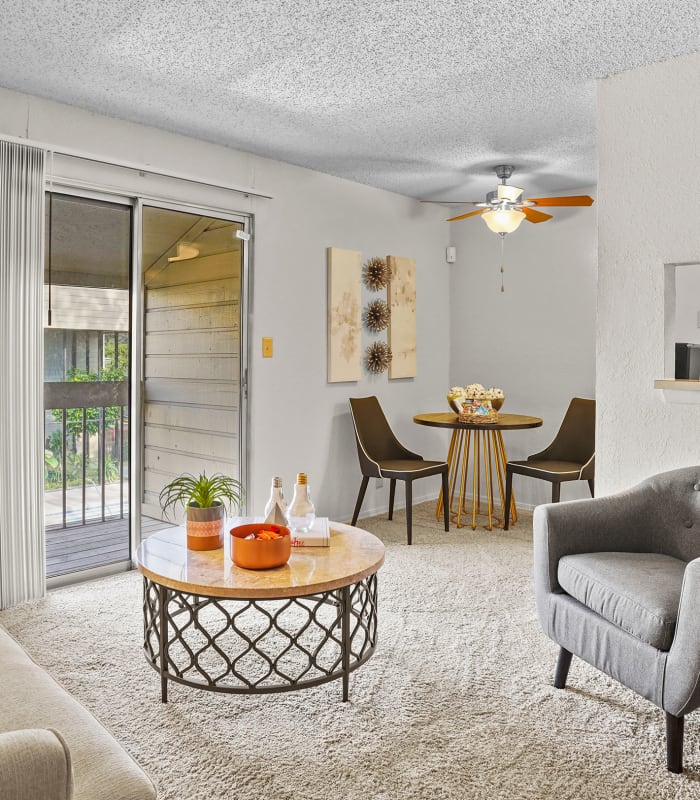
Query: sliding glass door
{"points": [[142, 385], [86, 383], [192, 273]]}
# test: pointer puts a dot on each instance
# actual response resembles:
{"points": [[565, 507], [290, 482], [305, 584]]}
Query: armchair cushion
{"points": [[638, 592]]}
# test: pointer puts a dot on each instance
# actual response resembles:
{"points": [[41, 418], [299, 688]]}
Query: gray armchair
{"points": [[617, 583]]}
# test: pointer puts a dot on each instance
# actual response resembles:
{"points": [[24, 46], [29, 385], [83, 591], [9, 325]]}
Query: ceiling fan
{"points": [[504, 208]]}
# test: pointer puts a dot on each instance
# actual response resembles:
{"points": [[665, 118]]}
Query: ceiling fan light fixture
{"points": [[503, 220], [509, 193]]}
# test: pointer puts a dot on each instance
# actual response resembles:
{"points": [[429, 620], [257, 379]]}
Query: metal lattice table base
{"points": [[259, 646]]}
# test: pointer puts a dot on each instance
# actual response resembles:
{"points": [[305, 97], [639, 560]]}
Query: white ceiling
{"points": [[421, 97]]}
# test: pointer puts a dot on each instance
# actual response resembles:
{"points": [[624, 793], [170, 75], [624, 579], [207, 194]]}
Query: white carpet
{"points": [[457, 702]]}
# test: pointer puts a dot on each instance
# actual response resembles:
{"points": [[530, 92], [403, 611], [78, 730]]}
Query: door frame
{"points": [[137, 394]]}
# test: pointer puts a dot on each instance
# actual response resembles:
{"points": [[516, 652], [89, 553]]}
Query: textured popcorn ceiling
{"points": [[418, 97]]}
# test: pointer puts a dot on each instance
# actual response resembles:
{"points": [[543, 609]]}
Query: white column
{"points": [[22, 540]]}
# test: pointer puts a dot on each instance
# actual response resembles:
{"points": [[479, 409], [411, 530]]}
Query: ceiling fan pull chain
{"points": [[503, 238]]}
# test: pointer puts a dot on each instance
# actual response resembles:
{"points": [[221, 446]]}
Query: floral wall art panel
{"points": [[402, 323], [344, 315]]}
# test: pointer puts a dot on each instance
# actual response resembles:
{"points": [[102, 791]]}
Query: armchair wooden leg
{"points": [[409, 510], [556, 491], [360, 498], [674, 743], [445, 501], [562, 671], [509, 493], [392, 492]]}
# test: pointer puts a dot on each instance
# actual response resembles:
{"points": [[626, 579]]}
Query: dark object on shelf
{"points": [[383, 456], [687, 361], [570, 457]]}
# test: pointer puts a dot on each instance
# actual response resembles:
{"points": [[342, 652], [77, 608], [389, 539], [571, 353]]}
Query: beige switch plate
{"points": [[267, 347]]}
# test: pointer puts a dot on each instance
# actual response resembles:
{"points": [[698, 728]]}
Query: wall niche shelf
{"points": [[679, 391]]}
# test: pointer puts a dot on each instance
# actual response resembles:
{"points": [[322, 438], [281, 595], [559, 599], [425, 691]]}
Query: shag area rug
{"points": [[457, 702]]}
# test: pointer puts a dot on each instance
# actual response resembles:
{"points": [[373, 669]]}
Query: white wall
{"points": [[649, 214], [298, 421], [536, 340]]}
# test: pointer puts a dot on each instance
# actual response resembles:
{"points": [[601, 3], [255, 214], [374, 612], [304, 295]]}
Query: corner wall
{"points": [[298, 422], [649, 215], [536, 340]]}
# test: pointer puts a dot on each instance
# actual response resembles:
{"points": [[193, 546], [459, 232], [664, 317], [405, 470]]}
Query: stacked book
{"points": [[318, 535]]}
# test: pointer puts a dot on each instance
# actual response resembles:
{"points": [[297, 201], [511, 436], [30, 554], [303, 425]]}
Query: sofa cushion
{"points": [[638, 592], [31, 698], [35, 764]]}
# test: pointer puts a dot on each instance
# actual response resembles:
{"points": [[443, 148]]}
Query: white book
{"points": [[318, 535]]}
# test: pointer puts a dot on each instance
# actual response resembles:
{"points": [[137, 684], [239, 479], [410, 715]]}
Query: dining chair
{"points": [[570, 457], [381, 455]]}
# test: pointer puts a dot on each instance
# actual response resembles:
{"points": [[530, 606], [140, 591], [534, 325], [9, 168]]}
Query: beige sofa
{"points": [[51, 747]]}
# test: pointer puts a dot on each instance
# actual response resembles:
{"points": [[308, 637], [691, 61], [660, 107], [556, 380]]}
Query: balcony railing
{"points": [[86, 452]]}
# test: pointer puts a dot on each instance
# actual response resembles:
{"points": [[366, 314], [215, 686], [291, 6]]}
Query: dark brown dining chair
{"points": [[570, 457], [383, 456]]}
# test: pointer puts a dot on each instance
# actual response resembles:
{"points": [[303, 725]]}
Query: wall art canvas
{"points": [[402, 323], [344, 315]]}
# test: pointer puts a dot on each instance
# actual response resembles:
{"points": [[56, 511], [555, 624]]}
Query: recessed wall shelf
{"points": [[679, 391]]}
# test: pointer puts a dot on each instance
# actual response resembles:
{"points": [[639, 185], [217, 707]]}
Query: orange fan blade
{"points": [[535, 216], [464, 216], [574, 200]]}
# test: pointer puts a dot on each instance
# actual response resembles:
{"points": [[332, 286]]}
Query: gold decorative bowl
{"points": [[497, 403]]}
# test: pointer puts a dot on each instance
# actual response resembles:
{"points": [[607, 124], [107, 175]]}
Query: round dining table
{"points": [[482, 444]]}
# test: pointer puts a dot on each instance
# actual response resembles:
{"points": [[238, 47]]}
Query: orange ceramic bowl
{"points": [[257, 553]]}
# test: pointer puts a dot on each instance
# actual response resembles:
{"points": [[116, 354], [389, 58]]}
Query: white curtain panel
{"points": [[22, 539]]}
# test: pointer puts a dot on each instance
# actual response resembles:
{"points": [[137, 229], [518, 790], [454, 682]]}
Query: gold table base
{"points": [[488, 456]]}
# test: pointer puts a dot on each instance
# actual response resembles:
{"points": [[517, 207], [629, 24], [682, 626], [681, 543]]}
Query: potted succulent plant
{"points": [[205, 500]]}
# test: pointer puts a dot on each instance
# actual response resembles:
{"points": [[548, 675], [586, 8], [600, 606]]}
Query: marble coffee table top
{"points": [[353, 555]]}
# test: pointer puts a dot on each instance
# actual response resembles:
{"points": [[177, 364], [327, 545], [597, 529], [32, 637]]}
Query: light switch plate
{"points": [[267, 347]]}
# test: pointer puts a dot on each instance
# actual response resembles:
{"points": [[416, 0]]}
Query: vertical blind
{"points": [[22, 545]]}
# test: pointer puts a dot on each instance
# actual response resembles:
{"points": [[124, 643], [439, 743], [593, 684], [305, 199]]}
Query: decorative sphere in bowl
{"points": [[253, 553]]}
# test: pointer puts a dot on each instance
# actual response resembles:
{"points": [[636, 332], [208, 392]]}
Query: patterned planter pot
{"points": [[205, 527]]}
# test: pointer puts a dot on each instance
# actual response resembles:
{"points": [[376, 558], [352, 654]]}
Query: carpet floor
{"points": [[456, 703]]}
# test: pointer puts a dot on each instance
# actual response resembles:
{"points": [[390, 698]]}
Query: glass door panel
{"points": [[192, 267], [86, 383]]}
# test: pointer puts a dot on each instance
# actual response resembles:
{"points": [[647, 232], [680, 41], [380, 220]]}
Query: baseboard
{"points": [[380, 509]]}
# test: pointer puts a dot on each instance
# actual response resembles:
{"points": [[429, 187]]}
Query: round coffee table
{"points": [[212, 625]]}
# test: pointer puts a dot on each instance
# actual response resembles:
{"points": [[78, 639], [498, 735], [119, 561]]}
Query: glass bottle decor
{"points": [[301, 513], [276, 508]]}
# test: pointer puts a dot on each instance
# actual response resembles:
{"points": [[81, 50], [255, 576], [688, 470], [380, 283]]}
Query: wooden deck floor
{"points": [[94, 545]]}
